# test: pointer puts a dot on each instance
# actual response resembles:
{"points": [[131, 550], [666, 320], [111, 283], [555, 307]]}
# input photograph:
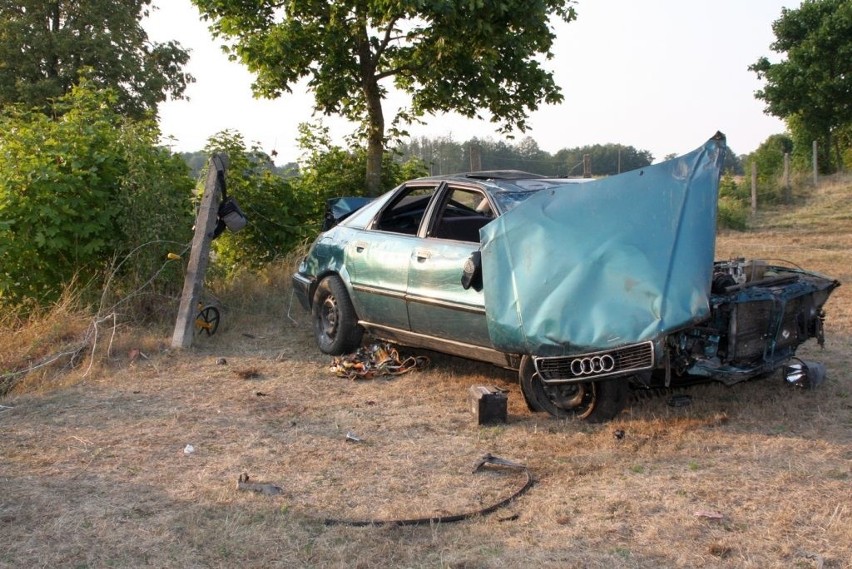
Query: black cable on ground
{"points": [[487, 460]]}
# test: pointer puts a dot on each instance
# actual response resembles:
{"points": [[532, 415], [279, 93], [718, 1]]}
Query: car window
{"points": [[406, 211], [464, 212]]}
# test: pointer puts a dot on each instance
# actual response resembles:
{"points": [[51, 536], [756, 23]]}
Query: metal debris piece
{"points": [[262, 487], [221, 362], [188, 449], [804, 373], [376, 360], [353, 438]]}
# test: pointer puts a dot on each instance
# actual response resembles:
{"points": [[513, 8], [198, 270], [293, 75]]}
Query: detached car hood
{"points": [[615, 261]]}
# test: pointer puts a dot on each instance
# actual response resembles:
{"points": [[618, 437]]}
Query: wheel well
{"points": [[320, 277]]}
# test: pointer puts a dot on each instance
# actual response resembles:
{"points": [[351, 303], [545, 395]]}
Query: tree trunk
{"points": [[375, 116], [54, 16]]}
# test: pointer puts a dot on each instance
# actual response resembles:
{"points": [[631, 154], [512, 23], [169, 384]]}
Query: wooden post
{"points": [[199, 257], [753, 187], [788, 188], [816, 178], [587, 165]]}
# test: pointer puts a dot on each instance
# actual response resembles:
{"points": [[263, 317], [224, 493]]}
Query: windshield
{"points": [[511, 194]]}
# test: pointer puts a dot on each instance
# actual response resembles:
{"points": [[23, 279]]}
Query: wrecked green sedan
{"points": [[587, 288]]}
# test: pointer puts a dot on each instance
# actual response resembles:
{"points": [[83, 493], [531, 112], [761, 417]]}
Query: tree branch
{"points": [[385, 41]]}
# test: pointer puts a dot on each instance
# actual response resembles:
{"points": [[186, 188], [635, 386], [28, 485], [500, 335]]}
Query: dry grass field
{"points": [[94, 473]]}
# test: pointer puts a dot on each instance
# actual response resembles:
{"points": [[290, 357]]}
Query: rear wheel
{"points": [[593, 401], [335, 323]]}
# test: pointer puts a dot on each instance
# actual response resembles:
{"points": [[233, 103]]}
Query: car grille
{"points": [[594, 365]]}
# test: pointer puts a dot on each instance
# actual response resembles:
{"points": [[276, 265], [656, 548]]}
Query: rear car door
{"points": [[378, 258]]}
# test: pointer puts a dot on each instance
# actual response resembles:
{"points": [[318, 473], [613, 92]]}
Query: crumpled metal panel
{"points": [[337, 209], [615, 261]]}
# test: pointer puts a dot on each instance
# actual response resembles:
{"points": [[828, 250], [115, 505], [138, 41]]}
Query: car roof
{"points": [[506, 180]]}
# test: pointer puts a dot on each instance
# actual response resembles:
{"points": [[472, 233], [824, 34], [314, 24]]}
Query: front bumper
{"points": [[302, 287]]}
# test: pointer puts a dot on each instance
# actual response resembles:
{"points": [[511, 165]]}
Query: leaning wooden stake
{"points": [[205, 223]]}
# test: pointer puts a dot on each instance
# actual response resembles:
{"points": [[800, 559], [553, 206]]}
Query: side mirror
{"points": [[472, 272]]}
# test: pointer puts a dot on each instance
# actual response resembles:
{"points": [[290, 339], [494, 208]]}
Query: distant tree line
{"points": [[444, 155]]}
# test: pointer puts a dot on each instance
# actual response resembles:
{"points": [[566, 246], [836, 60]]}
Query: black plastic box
{"points": [[488, 404]]}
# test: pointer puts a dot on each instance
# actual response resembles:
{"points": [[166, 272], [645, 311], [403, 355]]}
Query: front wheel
{"points": [[593, 401], [335, 323]]}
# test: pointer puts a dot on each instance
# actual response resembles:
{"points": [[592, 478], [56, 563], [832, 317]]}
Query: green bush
{"points": [[769, 161], [274, 208], [732, 213], [80, 191], [734, 188]]}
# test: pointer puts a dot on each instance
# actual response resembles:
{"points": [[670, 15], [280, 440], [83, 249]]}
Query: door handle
{"points": [[422, 254], [360, 246]]}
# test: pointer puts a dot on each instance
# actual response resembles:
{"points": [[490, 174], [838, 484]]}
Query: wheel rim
{"points": [[208, 320], [576, 398], [558, 399], [328, 318]]}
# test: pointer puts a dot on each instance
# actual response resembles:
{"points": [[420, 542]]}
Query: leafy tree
{"points": [[328, 171], [440, 155], [82, 190], [285, 210], [46, 45], [812, 86], [448, 55], [733, 163]]}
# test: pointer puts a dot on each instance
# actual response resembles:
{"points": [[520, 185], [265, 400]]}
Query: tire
{"points": [[207, 320], [593, 401], [335, 324]]}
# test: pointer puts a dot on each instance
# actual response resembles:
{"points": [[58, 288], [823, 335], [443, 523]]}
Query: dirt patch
{"points": [[100, 474]]}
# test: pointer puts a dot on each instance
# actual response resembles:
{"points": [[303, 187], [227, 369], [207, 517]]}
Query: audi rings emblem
{"points": [[593, 365]]}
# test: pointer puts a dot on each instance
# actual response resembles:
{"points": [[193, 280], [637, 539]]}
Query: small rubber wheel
{"points": [[593, 401], [207, 320], [335, 324]]}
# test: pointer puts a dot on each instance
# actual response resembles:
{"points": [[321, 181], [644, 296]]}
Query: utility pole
{"points": [[475, 157], [199, 257]]}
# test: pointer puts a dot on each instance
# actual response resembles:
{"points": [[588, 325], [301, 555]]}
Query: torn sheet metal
{"points": [[611, 262], [338, 209]]}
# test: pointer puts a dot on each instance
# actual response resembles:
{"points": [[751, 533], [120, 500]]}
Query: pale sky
{"points": [[660, 75]]}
